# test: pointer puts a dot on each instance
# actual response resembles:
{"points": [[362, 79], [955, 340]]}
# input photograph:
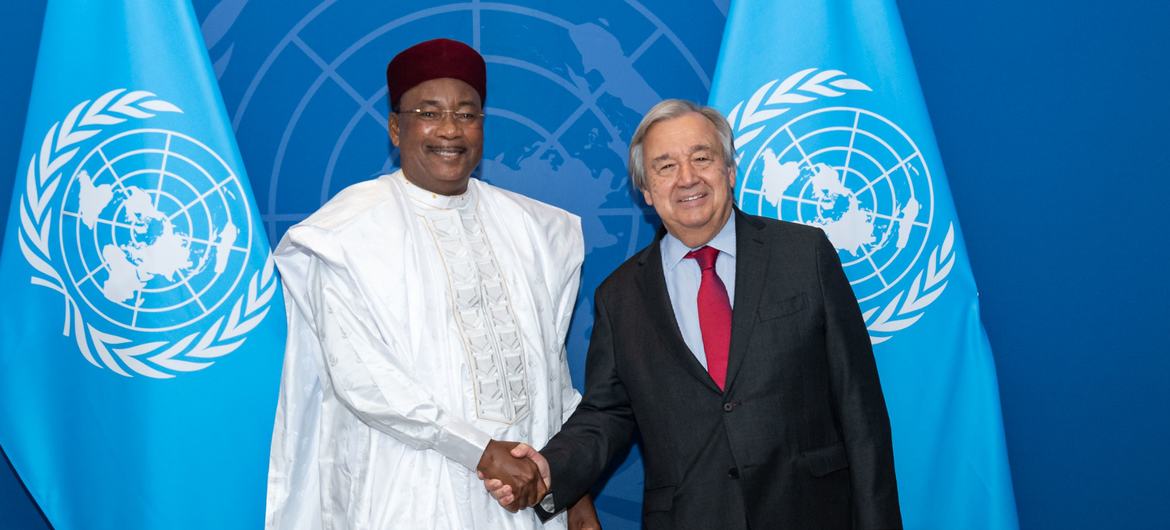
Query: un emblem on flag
{"points": [[856, 175], [147, 235]]}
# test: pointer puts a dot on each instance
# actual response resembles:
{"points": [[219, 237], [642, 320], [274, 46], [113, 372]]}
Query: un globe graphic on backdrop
{"points": [[558, 116], [556, 133], [857, 176], [149, 238]]}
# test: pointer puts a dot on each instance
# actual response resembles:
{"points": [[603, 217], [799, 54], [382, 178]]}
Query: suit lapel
{"points": [[751, 269], [652, 285]]}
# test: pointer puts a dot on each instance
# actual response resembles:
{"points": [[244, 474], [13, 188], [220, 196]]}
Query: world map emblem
{"points": [[147, 235], [856, 175]]}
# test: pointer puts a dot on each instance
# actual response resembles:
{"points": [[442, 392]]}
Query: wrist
{"points": [[485, 457]]}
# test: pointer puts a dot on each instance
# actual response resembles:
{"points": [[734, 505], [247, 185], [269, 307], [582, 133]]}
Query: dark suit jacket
{"points": [[800, 437]]}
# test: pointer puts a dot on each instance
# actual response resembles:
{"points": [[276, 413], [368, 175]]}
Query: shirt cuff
{"points": [[548, 504], [462, 442]]}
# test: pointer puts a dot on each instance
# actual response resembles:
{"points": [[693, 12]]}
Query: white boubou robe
{"points": [[420, 327]]}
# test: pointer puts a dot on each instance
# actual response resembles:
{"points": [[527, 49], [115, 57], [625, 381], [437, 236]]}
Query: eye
{"points": [[666, 169], [466, 117], [428, 115]]}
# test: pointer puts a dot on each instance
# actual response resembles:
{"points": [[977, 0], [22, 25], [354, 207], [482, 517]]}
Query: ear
{"points": [[394, 128], [646, 196], [731, 174]]}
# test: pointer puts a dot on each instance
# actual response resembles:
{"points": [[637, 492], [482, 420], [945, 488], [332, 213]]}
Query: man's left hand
{"points": [[582, 516]]}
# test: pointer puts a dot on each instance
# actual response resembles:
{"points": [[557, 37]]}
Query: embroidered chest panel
{"points": [[483, 314]]}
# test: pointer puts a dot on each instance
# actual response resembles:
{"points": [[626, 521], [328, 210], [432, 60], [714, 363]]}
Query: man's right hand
{"points": [[519, 481]]}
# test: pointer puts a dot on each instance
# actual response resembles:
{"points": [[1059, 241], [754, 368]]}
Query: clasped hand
{"points": [[515, 474]]}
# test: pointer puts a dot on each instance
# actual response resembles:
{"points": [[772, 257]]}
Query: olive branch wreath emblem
{"points": [[190, 353], [748, 120]]}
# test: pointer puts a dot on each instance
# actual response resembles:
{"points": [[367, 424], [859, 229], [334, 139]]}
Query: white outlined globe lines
{"points": [[194, 189], [316, 104], [883, 172]]}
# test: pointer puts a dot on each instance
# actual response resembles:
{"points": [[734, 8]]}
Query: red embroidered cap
{"points": [[435, 59]]}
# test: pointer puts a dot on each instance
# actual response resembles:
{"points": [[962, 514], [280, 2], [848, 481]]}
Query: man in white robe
{"points": [[427, 317]]}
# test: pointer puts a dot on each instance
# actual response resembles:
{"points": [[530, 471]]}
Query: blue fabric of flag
{"points": [[142, 323], [831, 130]]}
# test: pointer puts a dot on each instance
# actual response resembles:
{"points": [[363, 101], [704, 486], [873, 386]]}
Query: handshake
{"points": [[518, 477], [514, 473]]}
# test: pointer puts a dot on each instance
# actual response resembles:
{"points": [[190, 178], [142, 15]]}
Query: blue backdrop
{"points": [[1051, 128]]}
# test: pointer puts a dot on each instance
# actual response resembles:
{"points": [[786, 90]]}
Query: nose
{"points": [[687, 175], [447, 127]]}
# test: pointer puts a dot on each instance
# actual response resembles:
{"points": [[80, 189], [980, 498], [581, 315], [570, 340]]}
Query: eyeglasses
{"points": [[461, 117]]}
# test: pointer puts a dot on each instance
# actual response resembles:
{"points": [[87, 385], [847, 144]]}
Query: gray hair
{"points": [[670, 109]]}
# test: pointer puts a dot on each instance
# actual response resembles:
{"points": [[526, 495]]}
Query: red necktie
{"points": [[714, 314]]}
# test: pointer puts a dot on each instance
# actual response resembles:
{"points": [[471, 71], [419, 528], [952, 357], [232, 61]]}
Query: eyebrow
{"points": [[661, 157], [436, 103], [694, 149]]}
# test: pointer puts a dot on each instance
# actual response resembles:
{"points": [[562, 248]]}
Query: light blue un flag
{"points": [[142, 323], [832, 131]]}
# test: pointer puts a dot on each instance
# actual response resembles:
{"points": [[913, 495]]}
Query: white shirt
{"points": [[420, 327]]}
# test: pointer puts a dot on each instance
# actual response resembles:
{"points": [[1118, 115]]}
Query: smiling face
{"points": [[438, 156], [687, 180]]}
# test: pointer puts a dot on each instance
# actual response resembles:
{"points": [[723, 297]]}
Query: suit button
{"points": [[733, 473], [729, 406]]}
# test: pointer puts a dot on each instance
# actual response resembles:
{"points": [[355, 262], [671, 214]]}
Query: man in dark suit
{"points": [[735, 346]]}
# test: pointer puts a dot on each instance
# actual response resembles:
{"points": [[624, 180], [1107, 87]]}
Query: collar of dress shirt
{"points": [[440, 202], [674, 251]]}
